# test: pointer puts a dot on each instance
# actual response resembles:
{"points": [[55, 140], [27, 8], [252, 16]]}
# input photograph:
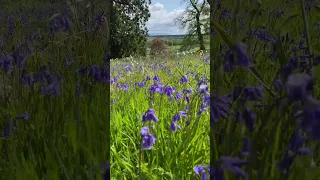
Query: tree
{"points": [[158, 47], [192, 18], [127, 27]]}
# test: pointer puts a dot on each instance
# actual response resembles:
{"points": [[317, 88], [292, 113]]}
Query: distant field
{"points": [[175, 41]]}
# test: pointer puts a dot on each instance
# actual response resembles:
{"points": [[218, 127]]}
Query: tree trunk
{"points": [[199, 33]]}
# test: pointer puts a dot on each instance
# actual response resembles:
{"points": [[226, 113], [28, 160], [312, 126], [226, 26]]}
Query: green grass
{"points": [[274, 123], [65, 137], [175, 153]]}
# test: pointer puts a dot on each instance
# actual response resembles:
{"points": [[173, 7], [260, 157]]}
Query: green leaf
{"points": [[223, 34], [283, 58], [281, 53], [256, 74], [289, 19], [227, 39], [52, 17]]}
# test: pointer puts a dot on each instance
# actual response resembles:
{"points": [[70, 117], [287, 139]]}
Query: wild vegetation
{"points": [[66, 113], [54, 91], [264, 100]]}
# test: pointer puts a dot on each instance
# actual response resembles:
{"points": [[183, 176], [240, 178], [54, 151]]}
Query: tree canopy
{"points": [[128, 27]]}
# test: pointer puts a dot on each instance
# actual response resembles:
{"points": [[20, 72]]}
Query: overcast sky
{"points": [[163, 13]]}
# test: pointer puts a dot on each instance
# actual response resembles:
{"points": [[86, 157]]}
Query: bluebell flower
{"points": [[178, 95], [141, 84], [184, 79], [233, 165], [147, 139], [68, 61], [299, 86], [156, 78], [159, 88], [150, 116], [220, 108], [169, 90], [52, 88], [201, 170], [6, 63]]}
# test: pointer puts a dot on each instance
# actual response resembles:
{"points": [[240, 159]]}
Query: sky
{"points": [[163, 13]]}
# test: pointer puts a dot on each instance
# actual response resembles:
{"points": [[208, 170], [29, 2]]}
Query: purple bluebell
{"points": [[225, 14], [203, 88], [254, 93], [277, 85], [6, 63], [156, 78], [52, 88], [216, 173], [99, 74], [187, 91], [299, 86], [174, 126], [129, 68], [150, 116], [243, 58], [184, 79], [213, 32], [27, 79], [125, 87], [200, 170], [159, 88], [263, 35], [81, 71], [177, 117], [147, 139], [141, 84], [169, 91], [201, 109], [9, 129], [58, 24], [285, 164], [309, 121], [220, 108], [178, 95], [68, 61], [187, 98], [233, 165], [106, 173], [24, 116]]}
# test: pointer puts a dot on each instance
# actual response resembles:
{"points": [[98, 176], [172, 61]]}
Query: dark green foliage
{"points": [[128, 31]]}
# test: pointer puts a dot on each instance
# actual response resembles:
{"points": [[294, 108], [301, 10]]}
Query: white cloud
{"points": [[156, 7], [162, 22]]}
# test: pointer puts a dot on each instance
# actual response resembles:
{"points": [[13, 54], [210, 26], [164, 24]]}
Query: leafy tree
{"points": [[158, 47], [127, 27], [196, 23]]}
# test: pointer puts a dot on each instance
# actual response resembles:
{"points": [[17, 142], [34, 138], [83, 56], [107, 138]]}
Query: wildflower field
{"points": [[159, 117], [248, 108], [53, 97], [265, 90]]}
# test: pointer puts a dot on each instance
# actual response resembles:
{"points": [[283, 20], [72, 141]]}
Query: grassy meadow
{"points": [[265, 91], [175, 42], [54, 98], [176, 89], [263, 121]]}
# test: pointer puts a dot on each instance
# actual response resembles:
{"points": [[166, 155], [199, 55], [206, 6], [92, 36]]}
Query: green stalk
{"points": [[306, 26]]}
